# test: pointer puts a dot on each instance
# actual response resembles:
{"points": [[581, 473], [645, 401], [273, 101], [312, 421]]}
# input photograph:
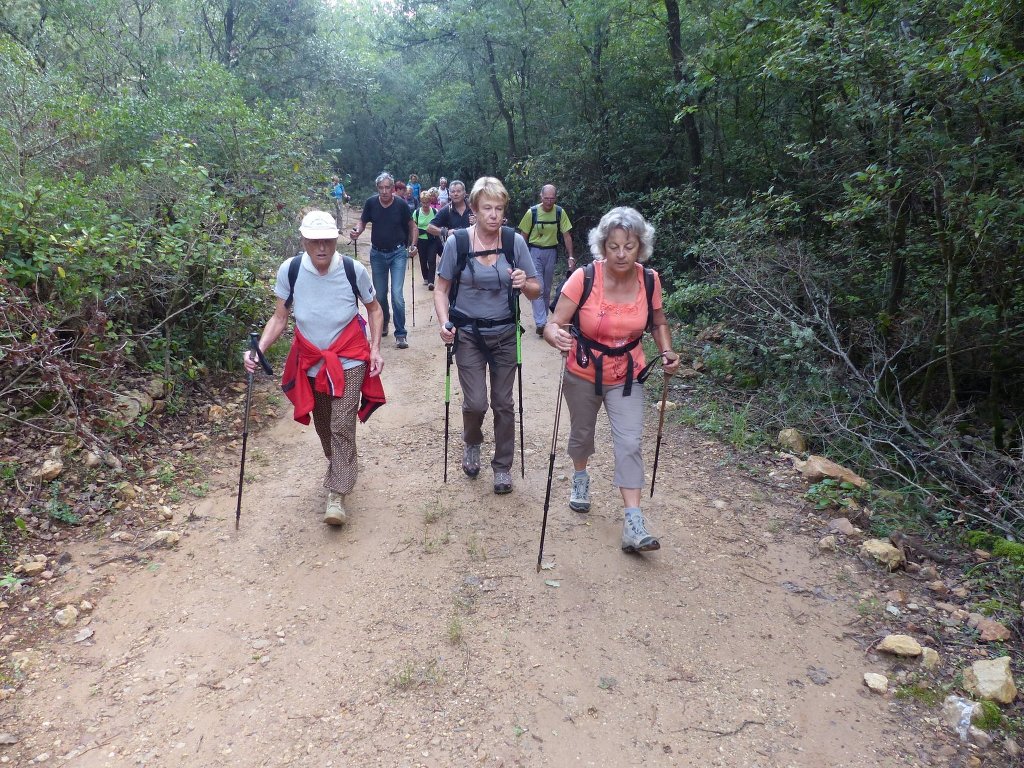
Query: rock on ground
{"points": [[900, 645], [991, 679], [883, 553], [876, 683], [818, 468]]}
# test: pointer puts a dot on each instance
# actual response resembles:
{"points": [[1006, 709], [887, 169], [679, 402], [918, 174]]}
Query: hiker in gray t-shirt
{"points": [[480, 303], [333, 370]]}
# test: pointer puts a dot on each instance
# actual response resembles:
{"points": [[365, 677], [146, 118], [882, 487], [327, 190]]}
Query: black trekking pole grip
{"points": [[254, 345]]}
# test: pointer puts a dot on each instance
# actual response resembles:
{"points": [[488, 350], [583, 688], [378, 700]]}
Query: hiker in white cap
{"points": [[332, 371]]}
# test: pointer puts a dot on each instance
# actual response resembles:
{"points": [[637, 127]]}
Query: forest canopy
{"points": [[837, 187]]}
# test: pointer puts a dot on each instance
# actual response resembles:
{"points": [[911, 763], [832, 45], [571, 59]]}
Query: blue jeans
{"points": [[544, 260], [385, 265]]}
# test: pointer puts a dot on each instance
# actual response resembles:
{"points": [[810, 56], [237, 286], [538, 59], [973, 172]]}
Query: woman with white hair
{"points": [[601, 315]]}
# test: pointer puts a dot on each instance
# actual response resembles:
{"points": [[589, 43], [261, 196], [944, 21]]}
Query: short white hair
{"points": [[627, 219]]}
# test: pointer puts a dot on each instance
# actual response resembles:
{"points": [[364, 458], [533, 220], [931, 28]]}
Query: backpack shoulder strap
{"points": [[508, 245], [293, 275], [461, 257], [588, 287], [649, 287], [350, 273]]}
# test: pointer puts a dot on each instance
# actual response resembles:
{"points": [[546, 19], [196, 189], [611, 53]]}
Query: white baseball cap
{"points": [[318, 225]]}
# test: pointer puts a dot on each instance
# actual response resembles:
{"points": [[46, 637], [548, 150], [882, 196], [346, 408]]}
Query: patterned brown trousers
{"points": [[335, 421]]}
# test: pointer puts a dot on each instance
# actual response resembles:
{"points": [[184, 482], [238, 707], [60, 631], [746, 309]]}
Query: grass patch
{"points": [[870, 608], [455, 631], [924, 694], [475, 548], [413, 675]]}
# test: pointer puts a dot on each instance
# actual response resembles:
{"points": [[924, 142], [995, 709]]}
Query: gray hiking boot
{"points": [[579, 496], [471, 459], [335, 514], [502, 482], [635, 536]]}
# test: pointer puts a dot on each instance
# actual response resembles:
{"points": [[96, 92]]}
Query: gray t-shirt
{"points": [[323, 305], [483, 290]]}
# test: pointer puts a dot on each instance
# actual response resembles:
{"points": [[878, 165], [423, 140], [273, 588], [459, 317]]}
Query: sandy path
{"points": [[420, 633]]}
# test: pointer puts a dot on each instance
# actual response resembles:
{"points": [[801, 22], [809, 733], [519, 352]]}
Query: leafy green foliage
{"points": [[831, 493], [58, 509]]}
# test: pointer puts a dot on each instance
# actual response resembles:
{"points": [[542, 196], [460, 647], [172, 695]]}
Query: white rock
{"points": [[818, 468], [92, 460], [83, 634], [1012, 747], [991, 679], [979, 737], [33, 569], [50, 470], [67, 616], [791, 439], [827, 544], [166, 538], [842, 525], [900, 645], [876, 683], [883, 553], [25, 661], [930, 658], [959, 713]]}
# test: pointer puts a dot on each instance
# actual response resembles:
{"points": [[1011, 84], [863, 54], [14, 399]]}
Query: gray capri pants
{"points": [[626, 415]]}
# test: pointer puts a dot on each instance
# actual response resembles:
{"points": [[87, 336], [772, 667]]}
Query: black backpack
{"points": [[585, 346], [462, 260], [293, 275], [462, 252], [557, 223]]}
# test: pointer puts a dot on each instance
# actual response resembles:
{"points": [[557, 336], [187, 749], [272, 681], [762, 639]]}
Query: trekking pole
{"points": [[254, 345], [412, 286], [447, 398], [661, 424], [519, 370], [551, 462]]}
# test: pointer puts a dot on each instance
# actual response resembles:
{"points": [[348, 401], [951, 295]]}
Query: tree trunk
{"points": [[689, 120], [499, 97], [948, 251]]}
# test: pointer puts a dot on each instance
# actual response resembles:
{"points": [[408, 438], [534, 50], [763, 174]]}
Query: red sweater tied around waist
{"points": [[330, 379]]}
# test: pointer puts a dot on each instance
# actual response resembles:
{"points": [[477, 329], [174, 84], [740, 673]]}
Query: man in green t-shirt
{"points": [[542, 227]]}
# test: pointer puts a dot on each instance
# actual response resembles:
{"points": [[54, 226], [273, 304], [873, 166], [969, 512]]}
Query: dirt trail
{"points": [[420, 634]]}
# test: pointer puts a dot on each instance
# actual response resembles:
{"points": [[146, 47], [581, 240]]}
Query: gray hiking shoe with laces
{"points": [[471, 459], [502, 482], [579, 496], [335, 514], [635, 536]]}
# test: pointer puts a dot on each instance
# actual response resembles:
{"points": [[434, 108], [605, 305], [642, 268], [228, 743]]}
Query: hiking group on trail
{"points": [[600, 315]]}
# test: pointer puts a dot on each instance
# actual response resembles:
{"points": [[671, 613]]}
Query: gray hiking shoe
{"points": [[502, 482], [635, 536], [579, 496], [471, 459], [335, 514]]}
